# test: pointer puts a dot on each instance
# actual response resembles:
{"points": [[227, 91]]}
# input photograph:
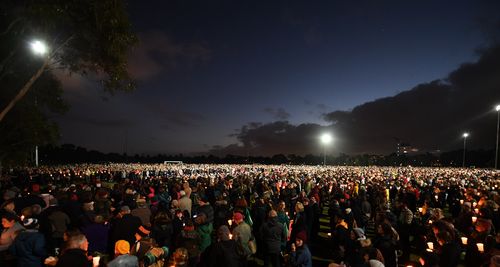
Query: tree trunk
{"points": [[25, 89]]}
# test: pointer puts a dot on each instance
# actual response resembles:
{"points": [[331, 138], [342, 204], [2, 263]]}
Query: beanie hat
{"points": [[302, 236], [122, 247], [30, 223], [238, 216], [143, 230], [360, 234]]}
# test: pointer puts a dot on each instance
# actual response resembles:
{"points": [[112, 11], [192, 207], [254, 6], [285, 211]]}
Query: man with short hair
{"points": [[75, 254]]}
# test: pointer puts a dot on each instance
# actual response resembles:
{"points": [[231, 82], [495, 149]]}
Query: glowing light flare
{"points": [[326, 138], [39, 47]]}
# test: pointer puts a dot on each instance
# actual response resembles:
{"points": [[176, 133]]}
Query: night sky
{"points": [[268, 77]]}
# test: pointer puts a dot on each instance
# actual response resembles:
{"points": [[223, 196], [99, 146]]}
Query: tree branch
{"points": [[25, 89]]}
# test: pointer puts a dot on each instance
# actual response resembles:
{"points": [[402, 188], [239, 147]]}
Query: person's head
{"points": [[300, 239], [9, 220], [299, 207], [272, 214], [9, 205], [281, 206], [124, 210], [238, 217], [78, 241], [483, 226], [70, 233], [30, 223], [142, 232], [223, 233], [122, 247], [241, 203]]}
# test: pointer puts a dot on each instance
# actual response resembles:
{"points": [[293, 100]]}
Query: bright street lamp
{"points": [[39, 47], [497, 108], [326, 139], [465, 135]]}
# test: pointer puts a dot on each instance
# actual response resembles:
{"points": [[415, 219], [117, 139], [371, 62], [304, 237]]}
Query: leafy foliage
{"points": [[86, 37]]}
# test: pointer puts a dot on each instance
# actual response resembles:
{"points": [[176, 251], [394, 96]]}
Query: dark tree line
{"points": [[70, 154]]}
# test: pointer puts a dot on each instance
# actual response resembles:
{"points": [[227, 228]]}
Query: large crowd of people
{"points": [[245, 215]]}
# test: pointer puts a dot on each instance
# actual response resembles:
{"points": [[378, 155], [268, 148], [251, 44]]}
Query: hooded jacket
{"points": [[272, 234]]}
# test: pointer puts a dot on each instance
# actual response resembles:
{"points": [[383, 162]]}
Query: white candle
{"points": [[430, 245], [474, 204], [230, 222], [476, 211], [474, 219], [464, 240], [230, 236], [480, 247], [430, 221], [420, 210], [461, 201]]}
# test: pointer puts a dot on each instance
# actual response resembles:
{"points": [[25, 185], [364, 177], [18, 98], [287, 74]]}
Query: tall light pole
{"points": [[38, 48], [465, 135], [497, 108], [326, 139]]}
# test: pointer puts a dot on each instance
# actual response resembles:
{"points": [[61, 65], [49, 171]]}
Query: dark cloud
{"points": [[278, 113], [430, 116], [157, 52], [273, 138]]}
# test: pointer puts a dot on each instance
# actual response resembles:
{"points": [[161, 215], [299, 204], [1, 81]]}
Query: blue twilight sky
{"points": [[207, 68]]}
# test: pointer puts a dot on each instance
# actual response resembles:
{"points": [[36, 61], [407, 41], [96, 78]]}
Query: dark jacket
{"points": [[272, 234], [162, 233], [97, 235], [387, 246], [301, 258], [450, 255], [125, 229], [29, 248], [74, 258], [224, 254]]}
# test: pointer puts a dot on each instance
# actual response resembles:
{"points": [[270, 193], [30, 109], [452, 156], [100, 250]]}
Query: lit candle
{"points": [[430, 221], [436, 196], [464, 240], [22, 218], [420, 210], [428, 250], [230, 222], [474, 204], [476, 210], [329, 234], [230, 236], [480, 247], [286, 213], [430, 245], [474, 219], [461, 201]]}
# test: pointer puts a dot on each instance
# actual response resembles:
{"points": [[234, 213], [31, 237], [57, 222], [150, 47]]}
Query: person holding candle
{"points": [[223, 252]]}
